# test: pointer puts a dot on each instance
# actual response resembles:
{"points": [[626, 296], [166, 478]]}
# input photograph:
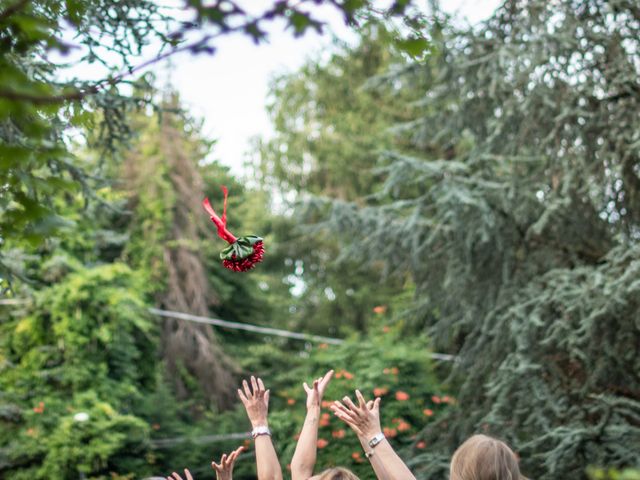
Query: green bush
{"points": [[73, 376]]}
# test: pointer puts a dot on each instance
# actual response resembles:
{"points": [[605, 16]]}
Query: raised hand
{"points": [[175, 476], [316, 391], [255, 400], [364, 418], [224, 469]]}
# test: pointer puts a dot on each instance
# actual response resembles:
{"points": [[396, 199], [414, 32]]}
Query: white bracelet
{"points": [[261, 430]]}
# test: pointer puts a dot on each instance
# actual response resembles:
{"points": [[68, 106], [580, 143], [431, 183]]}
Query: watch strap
{"points": [[260, 430]]}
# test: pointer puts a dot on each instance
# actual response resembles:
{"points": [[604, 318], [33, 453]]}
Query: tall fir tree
{"points": [[513, 201]]}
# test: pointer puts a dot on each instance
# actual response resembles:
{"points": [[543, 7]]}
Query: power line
{"points": [[445, 357], [13, 301], [246, 326], [269, 331]]}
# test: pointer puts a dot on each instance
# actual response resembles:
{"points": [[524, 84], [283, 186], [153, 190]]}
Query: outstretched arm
{"points": [[304, 458], [364, 420], [256, 403], [224, 469]]}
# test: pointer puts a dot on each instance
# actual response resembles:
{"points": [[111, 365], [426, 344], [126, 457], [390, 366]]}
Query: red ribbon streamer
{"points": [[221, 223]]}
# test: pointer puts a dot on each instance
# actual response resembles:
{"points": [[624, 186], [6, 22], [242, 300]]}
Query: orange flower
{"points": [[403, 426], [324, 419], [338, 433], [436, 399], [326, 403], [427, 412], [347, 375], [421, 445], [322, 443], [291, 401], [396, 420], [357, 457], [394, 371], [386, 371], [378, 392], [402, 396], [386, 329], [32, 432], [389, 432], [247, 443], [323, 346], [380, 309], [338, 374]]}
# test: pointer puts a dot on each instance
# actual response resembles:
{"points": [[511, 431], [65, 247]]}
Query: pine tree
{"points": [[513, 200]]}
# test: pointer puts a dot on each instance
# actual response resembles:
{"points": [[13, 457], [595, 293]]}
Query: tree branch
{"points": [[80, 94], [47, 99]]}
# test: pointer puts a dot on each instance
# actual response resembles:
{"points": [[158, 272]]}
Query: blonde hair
{"points": [[337, 473], [484, 458]]}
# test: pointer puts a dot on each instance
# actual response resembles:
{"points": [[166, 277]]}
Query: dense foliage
{"points": [[511, 197], [482, 201]]}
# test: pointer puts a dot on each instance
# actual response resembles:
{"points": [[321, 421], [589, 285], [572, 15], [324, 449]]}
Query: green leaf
{"points": [[12, 155], [415, 47], [300, 22], [75, 9], [241, 248]]}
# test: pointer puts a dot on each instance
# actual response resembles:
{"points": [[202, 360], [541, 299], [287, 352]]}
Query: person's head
{"points": [[484, 458], [336, 473]]}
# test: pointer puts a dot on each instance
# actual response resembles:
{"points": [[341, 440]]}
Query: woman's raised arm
{"points": [[364, 420], [304, 458], [256, 402]]}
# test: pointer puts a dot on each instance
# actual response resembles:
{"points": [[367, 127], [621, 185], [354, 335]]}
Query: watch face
{"points": [[376, 440]]}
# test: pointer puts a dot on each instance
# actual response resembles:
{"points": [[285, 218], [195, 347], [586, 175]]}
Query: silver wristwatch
{"points": [[376, 439], [262, 430]]}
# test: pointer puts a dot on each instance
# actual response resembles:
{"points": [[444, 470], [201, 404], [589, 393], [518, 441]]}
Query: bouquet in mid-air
{"points": [[242, 253]]}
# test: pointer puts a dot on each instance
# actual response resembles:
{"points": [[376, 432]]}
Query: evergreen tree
{"points": [[513, 201]]}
